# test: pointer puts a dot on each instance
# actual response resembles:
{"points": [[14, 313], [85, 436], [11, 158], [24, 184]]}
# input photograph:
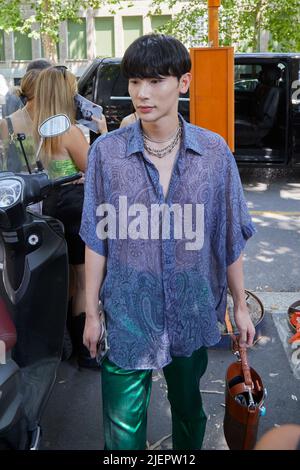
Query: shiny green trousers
{"points": [[126, 395]]}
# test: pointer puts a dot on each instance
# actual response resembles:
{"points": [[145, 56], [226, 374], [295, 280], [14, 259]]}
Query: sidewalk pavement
{"points": [[73, 418]]}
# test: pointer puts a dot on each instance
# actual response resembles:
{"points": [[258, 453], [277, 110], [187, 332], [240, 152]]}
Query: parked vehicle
{"points": [[267, 104], [33, 300]]}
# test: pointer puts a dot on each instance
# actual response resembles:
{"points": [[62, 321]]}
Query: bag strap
{"points": [[247, 386], [241, 352], [248, 442], [245, 367], [10, 128], [228, 324]]}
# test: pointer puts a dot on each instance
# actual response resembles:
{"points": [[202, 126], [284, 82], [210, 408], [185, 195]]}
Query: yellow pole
{"points": [[213, 22]]}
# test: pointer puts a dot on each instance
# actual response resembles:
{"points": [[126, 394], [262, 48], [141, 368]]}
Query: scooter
{"points": [[33, 299]]}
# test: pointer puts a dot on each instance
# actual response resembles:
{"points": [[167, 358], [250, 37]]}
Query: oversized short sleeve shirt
{"points": [[167, 257]]}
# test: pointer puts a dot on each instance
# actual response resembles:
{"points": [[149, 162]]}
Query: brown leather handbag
{"points": [[244, 402]]}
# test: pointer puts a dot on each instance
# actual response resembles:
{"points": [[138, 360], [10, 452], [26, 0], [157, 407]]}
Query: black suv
{"points": [[267, 104]]}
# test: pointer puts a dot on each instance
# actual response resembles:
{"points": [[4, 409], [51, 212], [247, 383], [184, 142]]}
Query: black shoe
{"points": [[88, 362]]}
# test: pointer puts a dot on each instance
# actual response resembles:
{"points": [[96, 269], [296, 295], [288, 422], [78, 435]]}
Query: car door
{"points": [[261, 109], [295, 112], [111, 92]]}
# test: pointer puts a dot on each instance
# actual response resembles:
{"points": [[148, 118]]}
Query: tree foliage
{"points": [[241, 23], [185, 24]]}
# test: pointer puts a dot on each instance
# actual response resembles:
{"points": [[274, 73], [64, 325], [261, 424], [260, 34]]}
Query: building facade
{"points": [[99, 34]]}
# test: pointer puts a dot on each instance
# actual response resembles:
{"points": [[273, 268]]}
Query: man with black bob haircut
{"points": [[165, 223], [166, 56]]}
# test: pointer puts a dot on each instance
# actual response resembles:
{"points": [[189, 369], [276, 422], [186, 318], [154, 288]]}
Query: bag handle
{"points": [[240, 351], [10, 128], [245, 367]]}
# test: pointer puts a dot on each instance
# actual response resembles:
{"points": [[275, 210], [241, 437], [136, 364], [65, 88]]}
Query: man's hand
{"points": [[244, 325], [91, 333], [242, 318], [95, 269]]}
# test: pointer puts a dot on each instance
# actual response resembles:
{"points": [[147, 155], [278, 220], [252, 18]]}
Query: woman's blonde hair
{"points": [[28, 84], [55, 91]]}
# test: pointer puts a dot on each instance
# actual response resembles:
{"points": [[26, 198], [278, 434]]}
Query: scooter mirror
{"points": [[54, 126]]}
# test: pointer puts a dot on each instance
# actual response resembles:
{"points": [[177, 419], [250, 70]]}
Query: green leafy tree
{"points": [[241, 23], [185, 24], [42, 18]]}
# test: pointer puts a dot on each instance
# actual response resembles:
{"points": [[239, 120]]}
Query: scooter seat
{"points": [[8, 332]]}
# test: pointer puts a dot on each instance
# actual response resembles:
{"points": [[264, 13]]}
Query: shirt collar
{"points": [[135, 142], [191, 139], [189, 142]]}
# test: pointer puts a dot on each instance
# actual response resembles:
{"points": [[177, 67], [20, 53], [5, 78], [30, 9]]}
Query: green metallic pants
{"points": [[126, 395]]}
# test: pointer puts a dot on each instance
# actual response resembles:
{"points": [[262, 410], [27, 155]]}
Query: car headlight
{"points": [[10, 191]]}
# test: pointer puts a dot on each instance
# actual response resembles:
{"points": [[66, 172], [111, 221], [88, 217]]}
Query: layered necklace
{"points": [[160, 153]]}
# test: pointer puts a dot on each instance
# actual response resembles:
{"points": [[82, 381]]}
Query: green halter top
{"points": [[58, 168]]}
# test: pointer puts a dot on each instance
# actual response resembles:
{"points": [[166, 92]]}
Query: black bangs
{"points": [[155, 56]]}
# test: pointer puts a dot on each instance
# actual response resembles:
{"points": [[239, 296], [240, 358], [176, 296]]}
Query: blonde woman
{"points": [[62, 156], [21, 121]]}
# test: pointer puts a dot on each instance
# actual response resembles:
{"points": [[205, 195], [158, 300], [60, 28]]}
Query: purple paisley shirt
{"points": [[162, 299]]}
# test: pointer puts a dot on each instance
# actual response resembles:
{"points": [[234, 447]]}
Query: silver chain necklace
{"points": [[160, 153]]}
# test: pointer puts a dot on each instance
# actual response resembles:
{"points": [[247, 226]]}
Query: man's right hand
{"points": [[95, 269], [91, 332]]}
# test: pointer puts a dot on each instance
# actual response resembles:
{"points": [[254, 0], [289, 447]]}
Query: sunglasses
{"points": [[62, 69]]}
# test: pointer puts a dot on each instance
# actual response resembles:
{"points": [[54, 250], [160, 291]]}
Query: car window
{"points": [[86, 89], [109, 80], [246, 76], [120, 86], [246, 84]]}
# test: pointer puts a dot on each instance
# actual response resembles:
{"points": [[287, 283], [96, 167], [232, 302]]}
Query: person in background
{"points": [[284, 437], [3, 93], [39, 64], [162, 290], [130, 119], [62, 156], [14, 99], [21, 121]]}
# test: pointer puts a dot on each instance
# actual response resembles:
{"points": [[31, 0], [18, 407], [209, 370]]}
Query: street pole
{"points": [[212, 90], [213, 22]]}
